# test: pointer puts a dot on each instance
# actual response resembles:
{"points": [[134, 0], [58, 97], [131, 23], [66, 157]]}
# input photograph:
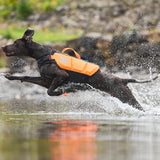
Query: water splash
{"points": [[27, 98]]}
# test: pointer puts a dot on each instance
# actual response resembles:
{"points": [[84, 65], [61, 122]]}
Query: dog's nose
{"points": [[3, 48]]}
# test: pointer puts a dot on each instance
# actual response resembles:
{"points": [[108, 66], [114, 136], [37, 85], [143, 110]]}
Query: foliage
{"points": [[7, 35], [23, 8], [6, 7]]}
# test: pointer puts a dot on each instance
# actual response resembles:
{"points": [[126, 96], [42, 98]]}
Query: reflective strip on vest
{"points": [[73, 64]]}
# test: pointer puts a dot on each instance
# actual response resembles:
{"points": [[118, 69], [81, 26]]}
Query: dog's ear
{"points": [[28, 35]]}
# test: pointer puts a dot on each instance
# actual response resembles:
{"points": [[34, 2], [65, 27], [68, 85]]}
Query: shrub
{"points": [[7, 35], [47, 7], [24, 9], [6, 7], [4, 13]]}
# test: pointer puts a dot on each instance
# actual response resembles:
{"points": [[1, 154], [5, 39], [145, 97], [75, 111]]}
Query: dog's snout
{"points": [[3, 48]]}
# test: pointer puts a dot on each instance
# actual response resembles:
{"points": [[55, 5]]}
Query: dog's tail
{"points": [[126, 81]]}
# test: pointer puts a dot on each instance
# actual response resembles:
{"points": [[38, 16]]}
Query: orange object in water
{"points": [[65, 94], [70, 63], [70, 139]]}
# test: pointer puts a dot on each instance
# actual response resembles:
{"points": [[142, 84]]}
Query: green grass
{"points": [[40, 36], [54, 36]]}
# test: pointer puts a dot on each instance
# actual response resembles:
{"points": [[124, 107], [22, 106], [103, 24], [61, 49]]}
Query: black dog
{"points": [[52, 76]]}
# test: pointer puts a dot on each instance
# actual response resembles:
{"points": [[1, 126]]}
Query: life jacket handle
{"points": [[76, 54]]}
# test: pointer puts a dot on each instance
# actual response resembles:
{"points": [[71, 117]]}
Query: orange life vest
{"points": [[70, 63]]}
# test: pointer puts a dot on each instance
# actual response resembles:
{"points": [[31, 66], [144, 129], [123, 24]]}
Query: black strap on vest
{"points": [[44, 60]]}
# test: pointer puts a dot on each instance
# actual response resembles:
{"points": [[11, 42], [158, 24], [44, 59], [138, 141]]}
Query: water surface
{"points": [[61, 136]]}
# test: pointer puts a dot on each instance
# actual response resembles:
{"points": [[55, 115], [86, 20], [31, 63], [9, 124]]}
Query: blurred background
{"points": [[118, 34]]}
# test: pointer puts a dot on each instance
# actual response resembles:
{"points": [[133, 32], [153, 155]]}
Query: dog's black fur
{"points": [[51, 76]]}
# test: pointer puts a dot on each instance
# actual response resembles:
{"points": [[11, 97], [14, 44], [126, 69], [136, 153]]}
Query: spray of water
{"points": [[34, 99]]}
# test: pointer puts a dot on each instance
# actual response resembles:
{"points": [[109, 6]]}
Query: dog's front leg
{"points": [[57, 81], [35, 80]]}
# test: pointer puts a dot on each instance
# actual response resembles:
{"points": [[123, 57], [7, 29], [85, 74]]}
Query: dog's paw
{"points": [[56, 92], [9, 77]]}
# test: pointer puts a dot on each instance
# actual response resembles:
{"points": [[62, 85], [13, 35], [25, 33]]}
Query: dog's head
{"points": [[19, 47]]}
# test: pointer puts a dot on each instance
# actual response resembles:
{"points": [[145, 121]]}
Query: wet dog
{"points": [[52, 76]]}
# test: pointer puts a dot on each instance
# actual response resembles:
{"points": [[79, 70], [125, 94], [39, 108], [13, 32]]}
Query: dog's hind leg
{"points": [[35, 80], [124, 94]]}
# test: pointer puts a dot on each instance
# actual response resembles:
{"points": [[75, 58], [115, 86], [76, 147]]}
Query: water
{"points": [[82, 125]]}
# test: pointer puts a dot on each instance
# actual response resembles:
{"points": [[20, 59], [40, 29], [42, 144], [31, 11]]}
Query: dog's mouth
{"points": [[10, 53]]}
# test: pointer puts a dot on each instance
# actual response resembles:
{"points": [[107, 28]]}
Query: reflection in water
{"points": [[51, 137], [73, 140]]}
